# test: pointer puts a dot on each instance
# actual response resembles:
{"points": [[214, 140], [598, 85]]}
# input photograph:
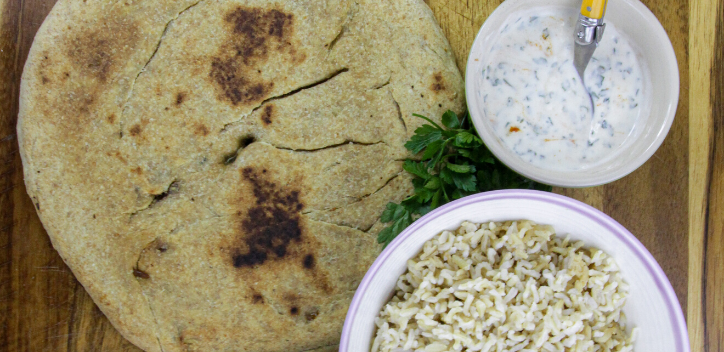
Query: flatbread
{"points": [[213, 172]]}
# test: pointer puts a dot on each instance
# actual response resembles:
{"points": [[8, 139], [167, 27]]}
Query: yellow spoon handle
{"points": [[594, 8]]}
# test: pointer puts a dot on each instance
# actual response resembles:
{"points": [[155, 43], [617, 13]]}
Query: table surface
{"points": [[674, 203]]}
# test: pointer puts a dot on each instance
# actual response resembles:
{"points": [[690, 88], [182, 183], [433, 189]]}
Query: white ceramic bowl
{"points": [[652, 304], [656, 55]]}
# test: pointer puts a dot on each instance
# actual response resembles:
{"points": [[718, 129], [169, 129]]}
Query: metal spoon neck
{"points": [[589, 30]]}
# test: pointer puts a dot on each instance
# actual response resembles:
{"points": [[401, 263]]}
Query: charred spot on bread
{"points": [[140, 274], [257, 299], [271, 224], [135, 130], [253, 34], [309, 261], [266, 115], [437, 84], [180, 98], [95, 52], [201, 130]]}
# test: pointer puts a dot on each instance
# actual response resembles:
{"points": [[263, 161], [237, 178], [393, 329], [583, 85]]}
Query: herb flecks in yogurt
{"points": [[537, 104]]}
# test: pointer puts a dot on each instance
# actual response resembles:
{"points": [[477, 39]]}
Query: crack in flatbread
{"points": [[327, 147], [160, 41], [318, 82]]}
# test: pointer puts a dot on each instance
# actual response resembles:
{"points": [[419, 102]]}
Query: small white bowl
{"points": [[652, 305], [657, 57]]}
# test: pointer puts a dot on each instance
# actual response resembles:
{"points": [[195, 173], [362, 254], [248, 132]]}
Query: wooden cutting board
{"points": [[674, 203]]}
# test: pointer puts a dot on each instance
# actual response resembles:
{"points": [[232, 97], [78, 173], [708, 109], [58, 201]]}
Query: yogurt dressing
{"points": [[536, 103]]}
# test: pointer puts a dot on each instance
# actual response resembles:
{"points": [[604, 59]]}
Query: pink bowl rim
{"points": [[681, 338]]}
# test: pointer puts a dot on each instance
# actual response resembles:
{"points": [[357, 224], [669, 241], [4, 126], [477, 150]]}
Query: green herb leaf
{"points": [[467, 140], [426, 129], [420, 141], [416, 168], [466, 153], [423, 195], [495, 180], [455, 163], [446, 176], [450, 120], [424, 209], [432, 149], [435, 201], [465, 182], [463, 169], [411, 204], [433, 184], [392, 212], [402, 223], [484, 181], [386, 236], [478, 155], [438, 155], [459, 194]]}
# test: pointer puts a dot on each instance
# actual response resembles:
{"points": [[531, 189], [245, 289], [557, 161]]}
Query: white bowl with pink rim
{"points": [[652, 305], [660, 72]]}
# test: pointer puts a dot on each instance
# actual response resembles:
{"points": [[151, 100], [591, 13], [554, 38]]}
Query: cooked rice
{"points": [[511, 286]]}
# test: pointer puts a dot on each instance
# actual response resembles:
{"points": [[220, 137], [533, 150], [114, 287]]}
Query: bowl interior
{"points": [[657, 59], [652, 305]]}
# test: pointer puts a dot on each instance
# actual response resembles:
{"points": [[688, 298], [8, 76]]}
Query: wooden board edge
{"points": [[702, 30]]}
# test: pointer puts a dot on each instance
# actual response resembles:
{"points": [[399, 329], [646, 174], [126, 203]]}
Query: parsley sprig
{"points": [[454, 163]]}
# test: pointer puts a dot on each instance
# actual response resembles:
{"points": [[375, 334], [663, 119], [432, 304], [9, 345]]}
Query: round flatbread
{"points": [[213, 172]]}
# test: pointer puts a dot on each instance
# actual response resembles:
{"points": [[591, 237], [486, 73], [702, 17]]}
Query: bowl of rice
{"points": [[515, 270]]}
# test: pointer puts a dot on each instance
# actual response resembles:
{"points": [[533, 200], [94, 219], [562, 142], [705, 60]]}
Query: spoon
{"points": [[589, 31]]}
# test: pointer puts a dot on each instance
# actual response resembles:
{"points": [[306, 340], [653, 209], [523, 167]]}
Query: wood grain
{"points": [[674, 203], [706, 177], [702, 36], [713, 273]]}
